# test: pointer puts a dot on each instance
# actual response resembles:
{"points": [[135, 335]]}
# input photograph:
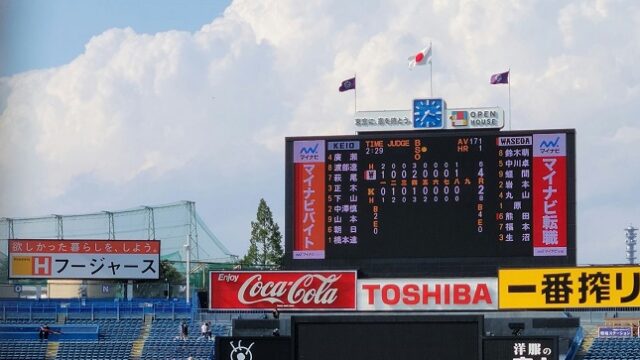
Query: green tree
{"points": [[265, 245], [156, 288], [4, 268]]}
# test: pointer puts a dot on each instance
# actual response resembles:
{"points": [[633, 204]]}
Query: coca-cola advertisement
{"points": [[291, 290]]}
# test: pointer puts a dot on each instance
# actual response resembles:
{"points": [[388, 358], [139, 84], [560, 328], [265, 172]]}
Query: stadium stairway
{"points": [[590, 334], [52, 350], [163, 342], [138, 344]]}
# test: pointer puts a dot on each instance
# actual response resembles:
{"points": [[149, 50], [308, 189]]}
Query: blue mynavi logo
{"points": [[309, 150], [551, 143], [310, 153]]}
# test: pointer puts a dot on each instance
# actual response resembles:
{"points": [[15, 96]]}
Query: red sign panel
{"points": [[310, 202], [550, 195], [318, 290]]}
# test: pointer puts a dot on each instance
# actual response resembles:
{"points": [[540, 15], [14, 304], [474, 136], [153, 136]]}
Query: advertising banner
{"points": [[549, 194], [84, 259], [309, 185], [383, 120], [615, 331], [428, 294], [294, 290], [455, 119], [571, 287], [521, 348]]}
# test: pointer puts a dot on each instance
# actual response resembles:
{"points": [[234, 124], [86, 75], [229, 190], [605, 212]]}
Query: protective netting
{"points": [[175, 225]]}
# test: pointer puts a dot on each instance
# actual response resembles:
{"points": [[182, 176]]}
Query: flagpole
{"points": [[509, 78], [431, 67], [355, 95]]}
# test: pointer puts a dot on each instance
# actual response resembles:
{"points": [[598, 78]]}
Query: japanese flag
{"points": [[421, 58]]}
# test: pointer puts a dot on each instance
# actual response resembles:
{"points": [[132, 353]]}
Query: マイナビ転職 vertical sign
{"points": [[549, 194]]}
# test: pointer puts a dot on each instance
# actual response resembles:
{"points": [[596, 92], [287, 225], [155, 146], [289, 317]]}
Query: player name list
{"points": [[383, 194]]}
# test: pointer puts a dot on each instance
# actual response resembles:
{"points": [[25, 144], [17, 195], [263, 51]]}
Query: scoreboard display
{"points": [[387, 337], [416, 203]]}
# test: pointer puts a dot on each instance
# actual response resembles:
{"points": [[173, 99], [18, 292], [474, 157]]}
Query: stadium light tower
{"points": [[631, 243]]}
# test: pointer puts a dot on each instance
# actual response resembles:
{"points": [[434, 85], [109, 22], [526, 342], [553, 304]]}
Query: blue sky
{"points": [[131, 103], [37, 34]]}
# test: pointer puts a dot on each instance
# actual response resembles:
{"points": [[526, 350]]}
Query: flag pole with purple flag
{"points": [[503, 78], [350, 84]]}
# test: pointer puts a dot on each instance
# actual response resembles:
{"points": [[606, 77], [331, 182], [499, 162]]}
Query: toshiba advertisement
{"points": [[291, 290], [428, 294]]}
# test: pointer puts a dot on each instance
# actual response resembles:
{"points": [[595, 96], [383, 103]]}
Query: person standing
{"points": [[204, 330], [45, 330], [42, 331], [184, 330], [209, 331]]}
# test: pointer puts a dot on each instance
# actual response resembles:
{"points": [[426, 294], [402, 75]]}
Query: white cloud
{"points": [[202, 116]]}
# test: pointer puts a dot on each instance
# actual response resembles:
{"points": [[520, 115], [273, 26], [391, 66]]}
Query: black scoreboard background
{"points": [[520, 347], [431, 203], [387, 337], [253, 347]]}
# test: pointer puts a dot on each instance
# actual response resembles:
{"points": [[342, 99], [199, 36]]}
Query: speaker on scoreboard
{"points": [[516, 328]]}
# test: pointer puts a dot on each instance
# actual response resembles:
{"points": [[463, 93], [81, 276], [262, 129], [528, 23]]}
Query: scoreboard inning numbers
{"points": [[419, 200]]}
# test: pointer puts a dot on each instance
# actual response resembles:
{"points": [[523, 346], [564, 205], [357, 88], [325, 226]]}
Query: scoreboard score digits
{"points": [[416, 203]]}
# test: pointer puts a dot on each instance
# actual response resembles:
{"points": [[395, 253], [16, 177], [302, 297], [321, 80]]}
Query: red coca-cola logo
{"points": [[293, 290], [308, 289]]}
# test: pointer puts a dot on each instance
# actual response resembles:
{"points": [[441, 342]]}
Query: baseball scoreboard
{"points": [[449, 202]]}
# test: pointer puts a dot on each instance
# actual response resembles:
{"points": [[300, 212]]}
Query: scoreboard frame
{"points": [[407, 264]]}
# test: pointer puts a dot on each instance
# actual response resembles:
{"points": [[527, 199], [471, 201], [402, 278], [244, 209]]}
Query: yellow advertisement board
{"points": [[22, 265], [571, 287]]}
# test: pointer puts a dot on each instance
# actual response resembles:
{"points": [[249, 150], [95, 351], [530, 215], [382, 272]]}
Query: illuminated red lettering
{"points": [[482, 294], [411, 294], [395, 294], [461, 293], [371, 289], [426, 294]]}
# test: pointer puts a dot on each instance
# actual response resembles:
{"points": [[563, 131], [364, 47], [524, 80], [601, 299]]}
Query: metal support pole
{"points": [[60, 227], [187, 248], [112, 228], [151, 223], [193, 228], [11, 234]]}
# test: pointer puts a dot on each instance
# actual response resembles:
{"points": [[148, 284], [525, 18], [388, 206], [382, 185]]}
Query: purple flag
{"points": [[348, 84], [502, 78]]}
